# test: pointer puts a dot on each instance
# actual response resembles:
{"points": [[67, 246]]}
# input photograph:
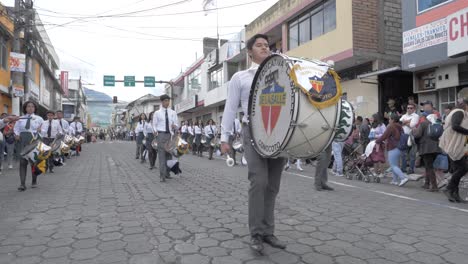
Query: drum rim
{"points": [[294, 114], [353, 116], [26, 149]]}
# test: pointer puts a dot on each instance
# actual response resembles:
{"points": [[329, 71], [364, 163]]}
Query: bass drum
{"points": [[283, 121]]}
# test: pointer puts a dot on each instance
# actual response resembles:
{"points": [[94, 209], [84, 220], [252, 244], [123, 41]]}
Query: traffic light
{"points": [[114, 100]]}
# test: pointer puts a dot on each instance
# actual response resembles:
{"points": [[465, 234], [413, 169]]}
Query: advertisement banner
{"points": [[425, 36], [458, 35], [64, 82], [17, 62], [187, 104], [18, 90]]}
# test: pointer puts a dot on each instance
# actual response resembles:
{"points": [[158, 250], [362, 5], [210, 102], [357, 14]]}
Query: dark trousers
{"points": [[460, 169], [50, 160], [162, 139], [25, 139], [431, 179], [152, 154], [321, 171]]}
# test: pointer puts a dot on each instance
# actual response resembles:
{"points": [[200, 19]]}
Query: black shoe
{"points": [[22, 188], [274, 241], [457, 197], [256, 243], [327, 188], [137, 158], [51, 171], [450, 196], [162, 179]]}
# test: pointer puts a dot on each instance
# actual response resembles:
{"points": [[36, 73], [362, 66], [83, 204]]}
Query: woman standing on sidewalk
{"points": [[392, 137], [378, 128], [140, 135], [25, 129]]}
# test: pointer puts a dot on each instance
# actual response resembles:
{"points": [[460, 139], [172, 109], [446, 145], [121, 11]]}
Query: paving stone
{"points": [[186, 248], [112, 245], [139, 247], [60, 242], [226, 260], [56, 252], [112, 256], [27, 260], [283, 257], [110, 236], [31, 251], [82, 254], [206, 242], [85, 243], [313, 258], [178, 234]]}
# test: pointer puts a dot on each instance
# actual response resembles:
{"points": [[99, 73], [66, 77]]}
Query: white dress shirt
{"points": [[56, 128], [148, 129], [35, 123], [77, 127], [414, 120], [210, 130], [238, 91], [183, 129], [198, 130], [140, 127], [159, 119], [71, 131], [190, 130], [64, 124], [237, 126]]}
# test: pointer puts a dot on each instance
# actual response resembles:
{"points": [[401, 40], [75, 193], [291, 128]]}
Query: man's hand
{"points": [[225, 147], [11, 119]]}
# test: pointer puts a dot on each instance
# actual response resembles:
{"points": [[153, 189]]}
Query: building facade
{"points": [[76, 103], [435, 45], [361, 37], [145, 104], [6, 40]]}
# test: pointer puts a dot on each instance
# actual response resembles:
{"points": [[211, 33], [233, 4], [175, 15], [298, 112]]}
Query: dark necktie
{"points": [[167, 123], [61, 123], [234, 127], [28, 123], [49, 130], [211, 128]]}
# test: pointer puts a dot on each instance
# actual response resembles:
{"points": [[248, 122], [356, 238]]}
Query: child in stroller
{"points": [[357, 165]]}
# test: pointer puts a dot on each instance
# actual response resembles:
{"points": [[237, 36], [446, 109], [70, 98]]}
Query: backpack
{"points": [[403, 142], [435, 131]]}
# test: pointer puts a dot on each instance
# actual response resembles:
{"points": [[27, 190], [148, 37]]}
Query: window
{"points": [[447, 97], [195, 80], [320, 20], [3, 54], [216, 79], [424, 5]]}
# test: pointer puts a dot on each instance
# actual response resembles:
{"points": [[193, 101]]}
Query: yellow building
{"points": [[6, 39], [362, 38]]}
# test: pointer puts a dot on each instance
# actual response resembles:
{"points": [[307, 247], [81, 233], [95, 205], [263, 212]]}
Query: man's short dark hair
{"points": [[359, 118], [50, 112], [251, 41]]}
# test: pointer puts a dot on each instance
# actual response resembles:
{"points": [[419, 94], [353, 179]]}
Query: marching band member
{"points": [[49, 130], [210, 132], [65, 127], [149, 135], [140, 135], [264, 173], [191, 135], [26, 128], [78, 129], [198, 135], [184, 131], [164, 123], [236, 132]]}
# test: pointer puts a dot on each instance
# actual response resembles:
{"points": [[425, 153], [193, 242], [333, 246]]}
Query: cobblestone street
{"points": [[106, 207]]}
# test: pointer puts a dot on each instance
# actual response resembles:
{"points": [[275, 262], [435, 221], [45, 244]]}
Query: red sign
{"points": [[201, 103], [64, 82]]}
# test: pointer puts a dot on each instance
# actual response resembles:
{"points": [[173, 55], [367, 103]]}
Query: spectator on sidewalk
{"points": [[378, 128], [409, 121]]}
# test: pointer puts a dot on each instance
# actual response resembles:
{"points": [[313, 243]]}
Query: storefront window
{"points": [[3, 54], [216, 79], [447, 97], [424, 5]]}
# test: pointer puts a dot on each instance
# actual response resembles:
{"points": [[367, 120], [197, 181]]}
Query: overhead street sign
{"points": [[109, 80], [150, 81], [129, 81]]}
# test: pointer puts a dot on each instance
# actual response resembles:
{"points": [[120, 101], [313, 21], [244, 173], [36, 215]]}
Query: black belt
{"points": [[163, 132]]}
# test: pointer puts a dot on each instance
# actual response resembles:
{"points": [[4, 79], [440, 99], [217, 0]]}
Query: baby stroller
{"points": [[357, 166]]}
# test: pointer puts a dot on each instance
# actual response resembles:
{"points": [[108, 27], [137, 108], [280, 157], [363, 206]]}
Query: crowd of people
{"points": [[21, 132]]}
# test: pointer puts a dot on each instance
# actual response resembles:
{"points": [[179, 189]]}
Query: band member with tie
{"points": [[210, 132], [149, 135], [198, 135], [77, 129], [191, 135], [165, 124], [140, 136], [184, 131], [49, 130], [27, 128], [264, 173], [236, 132], [64, 125]]}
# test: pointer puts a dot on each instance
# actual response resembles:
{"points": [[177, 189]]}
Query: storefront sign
{"points": [[457, 33], [18, 90], [64, 82], [17, 62], [425, 36], [186, 104]]}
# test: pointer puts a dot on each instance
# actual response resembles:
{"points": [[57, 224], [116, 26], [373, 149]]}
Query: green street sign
{"points": [[129, 81], [109, 80], [150, 81]]}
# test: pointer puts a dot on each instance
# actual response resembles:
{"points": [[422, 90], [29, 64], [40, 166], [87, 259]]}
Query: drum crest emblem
{"points": [[272, 99]]}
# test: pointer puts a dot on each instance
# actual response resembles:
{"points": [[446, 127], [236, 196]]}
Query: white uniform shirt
{"points": [[56, 128], [64, 124], [183, 129], [237, 126], [414, 118], [77, 127], [210, 130], [159, 119], [238, 92], [198, 130], [148, 129], [71, 131], [140, 127], [190, 130], [35, 123]]}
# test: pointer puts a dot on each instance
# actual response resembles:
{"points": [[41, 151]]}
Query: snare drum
{"points": [[36, 152], [283, 121], [55, 147]]}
